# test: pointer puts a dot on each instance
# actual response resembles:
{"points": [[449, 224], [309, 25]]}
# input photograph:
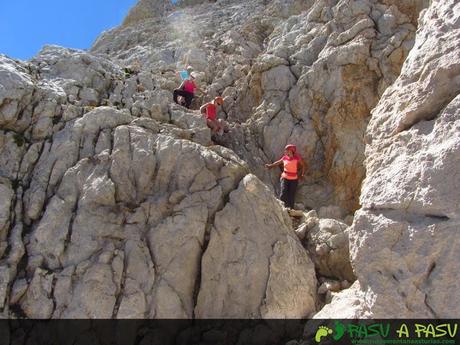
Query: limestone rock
{"points": [[338, 66], [4, 280], [328, 240], [15, 91], [146, 9], [27, 101], [87, 213], [253, 239], [37, 302], [98, 185], [116, 203], [329, 285], [85, 78], [332, 212], [279, 78], [301, 231], [403, 242], [18, 290], [12, 149], [315, 78], [346, 305], [6, 201]]}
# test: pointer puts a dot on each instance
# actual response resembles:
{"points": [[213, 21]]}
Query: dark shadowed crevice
{"points": [[120, 293], [68, 238]]}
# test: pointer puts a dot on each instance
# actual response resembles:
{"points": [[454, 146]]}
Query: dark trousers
{"points": [[187, 95], [287, 193]]}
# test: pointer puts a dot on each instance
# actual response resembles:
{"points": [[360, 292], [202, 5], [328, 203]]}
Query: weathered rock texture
{"points": [[110, 194], [146, 9], [290, 71], [328, 242], [278, 278], [114, 202], [404, 243], [113, 211]]}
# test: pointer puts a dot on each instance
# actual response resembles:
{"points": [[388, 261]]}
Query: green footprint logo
{"points": [[322, 331]]}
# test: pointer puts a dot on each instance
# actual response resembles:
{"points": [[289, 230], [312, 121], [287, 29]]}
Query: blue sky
{"points": [[27, 25]]}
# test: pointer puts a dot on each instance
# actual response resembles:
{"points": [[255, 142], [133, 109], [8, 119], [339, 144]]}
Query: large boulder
{"points": [[328, 244], [254, 265]]}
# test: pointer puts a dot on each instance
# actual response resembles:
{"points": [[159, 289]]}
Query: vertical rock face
{"points": [[314, 83], [404, 245], [108, 212], [290, 71], [125, 226], [146, 9]]}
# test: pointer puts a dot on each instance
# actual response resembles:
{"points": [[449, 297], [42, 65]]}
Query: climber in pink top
{"points": [[290, 176], [187, 90]]}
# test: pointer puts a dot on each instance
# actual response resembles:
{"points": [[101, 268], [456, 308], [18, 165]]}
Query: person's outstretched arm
{"points": [[199, 89], [272, 165], [203, 108]]}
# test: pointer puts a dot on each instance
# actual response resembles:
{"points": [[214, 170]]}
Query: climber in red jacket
{"points": [[210, 111], [289, 178]]}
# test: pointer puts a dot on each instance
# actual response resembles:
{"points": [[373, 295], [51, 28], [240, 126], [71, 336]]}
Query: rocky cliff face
{"points": [[404, 245], [290, 71], [115, 202]]}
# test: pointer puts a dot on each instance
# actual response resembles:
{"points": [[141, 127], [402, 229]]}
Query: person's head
{"points": [[290, 150], [218, 100]]}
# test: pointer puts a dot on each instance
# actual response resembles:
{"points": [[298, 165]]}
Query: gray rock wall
{"points": [[109, 211], [404, 246], [290, 71]]}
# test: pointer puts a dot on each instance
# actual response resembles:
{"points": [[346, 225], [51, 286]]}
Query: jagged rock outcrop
{"points": [[146, 9], [302, 72], [314, 84], [404, 246], [130, 204], [249, 270], [108, 205]]}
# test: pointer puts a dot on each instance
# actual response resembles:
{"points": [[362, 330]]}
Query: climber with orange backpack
{"points": [[210, 111], [289, 178]]}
